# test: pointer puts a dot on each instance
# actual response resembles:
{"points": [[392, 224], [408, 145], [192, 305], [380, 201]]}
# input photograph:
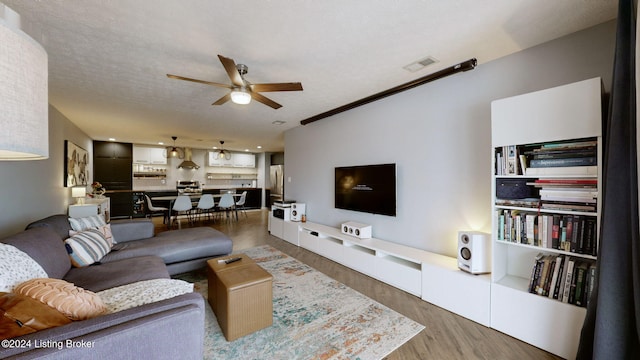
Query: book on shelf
{"points": [[563, 162], [557, 273], [568, 144], [593, 182], [591, 281], [568, 280], [563, 170], [561, 154], [535, 272], [552, 205], [580, 281], [512, 160], [526, 202]]}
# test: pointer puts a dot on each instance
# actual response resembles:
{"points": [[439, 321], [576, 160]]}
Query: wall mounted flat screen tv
{"points": [[366, 188]]}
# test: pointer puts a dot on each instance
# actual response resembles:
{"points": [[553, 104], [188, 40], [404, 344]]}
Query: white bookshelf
{"points": [[562, 113]]}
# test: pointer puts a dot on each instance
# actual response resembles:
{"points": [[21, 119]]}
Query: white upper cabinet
{"points": [[214, 160], [244, 160], [149, 155]]}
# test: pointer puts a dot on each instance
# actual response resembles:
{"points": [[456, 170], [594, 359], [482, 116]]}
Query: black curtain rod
{"points": [[463, 66]]}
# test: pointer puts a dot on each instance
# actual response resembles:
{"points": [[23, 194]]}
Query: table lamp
{"points": [[79, 192]]}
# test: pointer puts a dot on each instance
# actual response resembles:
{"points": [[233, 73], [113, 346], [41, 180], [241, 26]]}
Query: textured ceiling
{"points": [[108, 59]]}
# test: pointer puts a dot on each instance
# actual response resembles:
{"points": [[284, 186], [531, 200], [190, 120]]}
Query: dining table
{"points": [[194, 196]]}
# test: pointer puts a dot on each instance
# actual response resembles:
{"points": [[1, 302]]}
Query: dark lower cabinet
{"points": [[254, 198], [121, 204]]}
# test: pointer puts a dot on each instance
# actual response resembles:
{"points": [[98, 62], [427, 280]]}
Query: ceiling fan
{"points": [[242, 91]]}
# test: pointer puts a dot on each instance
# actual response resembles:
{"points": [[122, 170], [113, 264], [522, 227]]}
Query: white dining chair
{"points": [[205, 205], [226, 204], [152, 209], [182, 205], [240, 204]]}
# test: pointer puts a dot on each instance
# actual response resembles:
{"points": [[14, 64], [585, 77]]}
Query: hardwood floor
{"points": [[446, 336]]}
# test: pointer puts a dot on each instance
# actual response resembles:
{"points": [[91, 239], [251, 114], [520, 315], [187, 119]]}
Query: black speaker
{"points": [[474, 252]]}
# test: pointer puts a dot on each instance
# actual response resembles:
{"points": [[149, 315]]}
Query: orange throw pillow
{"points": [[74, 302]]}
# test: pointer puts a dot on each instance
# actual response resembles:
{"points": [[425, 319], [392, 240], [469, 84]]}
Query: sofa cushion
{"points": [[20, 315], [89, 222], [16, 267], [175, 245], [58, 223], [107, 275], [143, 292], [44, 246], [87, 247], [132, 229], [74, 302]]}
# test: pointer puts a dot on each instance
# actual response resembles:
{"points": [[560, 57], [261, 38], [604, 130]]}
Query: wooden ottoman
{"points": [[241, 295]]}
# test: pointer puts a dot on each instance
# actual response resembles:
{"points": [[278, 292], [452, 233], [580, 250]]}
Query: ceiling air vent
{"points": [[420, 64]]}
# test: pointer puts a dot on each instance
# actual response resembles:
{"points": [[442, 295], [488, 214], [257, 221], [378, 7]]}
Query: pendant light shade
{"points": [[223, 154], [24, 115]]}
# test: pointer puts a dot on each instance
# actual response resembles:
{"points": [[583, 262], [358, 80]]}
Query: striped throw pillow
{"points": [[89, 222], [87, 247]]}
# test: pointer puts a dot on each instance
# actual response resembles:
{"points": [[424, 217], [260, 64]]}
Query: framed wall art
{"points": [[76, 165]]}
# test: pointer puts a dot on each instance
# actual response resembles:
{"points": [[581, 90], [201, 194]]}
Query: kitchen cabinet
{"points": [[244, 160], [112, 150], [121, 203], [149, 155], [112, 164], [214, 160]]}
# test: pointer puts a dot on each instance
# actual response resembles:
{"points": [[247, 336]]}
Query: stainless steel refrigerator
{"points": [[277, 182]]}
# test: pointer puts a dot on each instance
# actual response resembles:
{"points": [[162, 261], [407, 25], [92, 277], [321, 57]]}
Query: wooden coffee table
{"points": [[240, 294]]}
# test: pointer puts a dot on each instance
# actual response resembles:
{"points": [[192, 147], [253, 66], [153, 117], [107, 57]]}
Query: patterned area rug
{"points": [[314, 317]]}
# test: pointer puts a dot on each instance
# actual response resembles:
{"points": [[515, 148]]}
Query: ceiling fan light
{"points": [[240, 96]]}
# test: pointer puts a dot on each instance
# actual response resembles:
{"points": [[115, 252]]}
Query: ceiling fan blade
{"points": [[232, 70], [294, 86], [199, 81], [223, 99], [265, 100]]}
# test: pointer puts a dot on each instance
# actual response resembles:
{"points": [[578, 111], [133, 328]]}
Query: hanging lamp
{"points": [[23, 92], [175, 152], [223, 154]]}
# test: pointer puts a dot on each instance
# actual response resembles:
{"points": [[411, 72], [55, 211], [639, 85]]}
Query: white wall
{"points": [[30, 190], [439, 136]]}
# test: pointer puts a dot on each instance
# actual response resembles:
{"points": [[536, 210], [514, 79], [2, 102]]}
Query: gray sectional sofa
{"points": [[167, 329]]}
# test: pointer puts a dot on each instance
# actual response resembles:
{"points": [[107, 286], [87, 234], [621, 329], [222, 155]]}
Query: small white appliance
{"points": [[474, 252], [297, 211], [362, 231]]}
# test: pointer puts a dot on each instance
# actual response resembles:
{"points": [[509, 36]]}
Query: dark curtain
{"points": [[612, 327]]}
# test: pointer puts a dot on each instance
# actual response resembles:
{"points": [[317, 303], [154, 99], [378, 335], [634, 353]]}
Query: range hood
{"points": [[188, 163]]}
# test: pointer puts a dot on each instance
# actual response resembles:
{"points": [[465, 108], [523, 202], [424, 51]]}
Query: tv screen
{"points": [[367, 188]]}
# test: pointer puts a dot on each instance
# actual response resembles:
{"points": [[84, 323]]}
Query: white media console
{"points": [[433, 277]]}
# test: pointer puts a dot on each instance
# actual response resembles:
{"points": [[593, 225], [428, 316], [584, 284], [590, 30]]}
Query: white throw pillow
{"points": [[89, 222], [17, 267], [143, 292]]}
